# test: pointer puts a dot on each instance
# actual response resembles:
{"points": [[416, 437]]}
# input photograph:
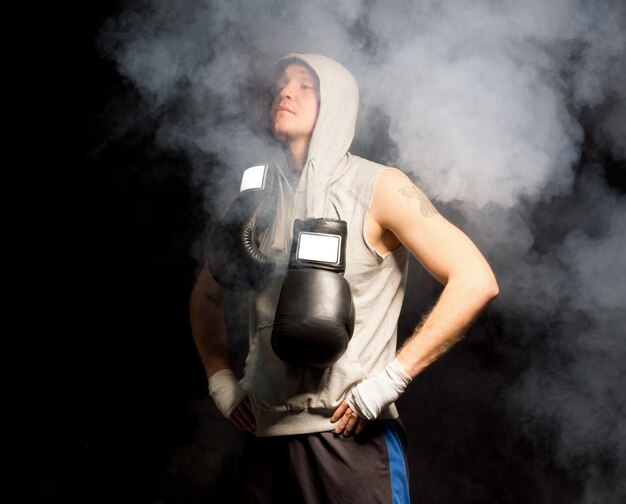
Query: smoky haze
{"points": [[507, 114]]}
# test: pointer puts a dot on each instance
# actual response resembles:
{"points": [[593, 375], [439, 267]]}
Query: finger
{"points": [[339, 412], [240, 420], [246, 410], [342, 423], [361, 426], [247, 424], [352, 421], [344, 420], [234, 419]]}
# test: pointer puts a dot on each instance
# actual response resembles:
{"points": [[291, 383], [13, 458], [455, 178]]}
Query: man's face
{"points": [[295, 105]]}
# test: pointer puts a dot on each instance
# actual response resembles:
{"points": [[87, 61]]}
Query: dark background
{"points": [[106, 401]]}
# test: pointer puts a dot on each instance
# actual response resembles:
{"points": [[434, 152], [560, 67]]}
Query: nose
{"points": [[287, 90]]}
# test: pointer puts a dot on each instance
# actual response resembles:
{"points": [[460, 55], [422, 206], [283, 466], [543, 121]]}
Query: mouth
{"points": [[283, 108]]}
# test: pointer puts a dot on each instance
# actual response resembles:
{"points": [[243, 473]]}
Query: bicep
{"points": [[441, 247]]}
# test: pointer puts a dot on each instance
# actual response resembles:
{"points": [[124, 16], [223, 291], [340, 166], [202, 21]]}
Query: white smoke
{"points": [[489, 105]]}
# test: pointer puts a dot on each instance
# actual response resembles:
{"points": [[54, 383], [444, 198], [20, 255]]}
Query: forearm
{"points": [[458, 306], [460, 303], [208, 328], [209, 336]]}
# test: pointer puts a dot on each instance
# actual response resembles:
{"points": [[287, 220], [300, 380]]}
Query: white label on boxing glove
{"points": [[319, 247], [253, 178]]}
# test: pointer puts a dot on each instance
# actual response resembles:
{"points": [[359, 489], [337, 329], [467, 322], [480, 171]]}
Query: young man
{"points": [[333, 435]]}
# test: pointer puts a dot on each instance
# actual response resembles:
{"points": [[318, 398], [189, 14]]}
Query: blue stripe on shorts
{"points": [[397, 466]]}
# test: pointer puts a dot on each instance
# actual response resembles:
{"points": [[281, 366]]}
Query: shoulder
{"points": [[395, 184], [368, 175], [396, 197], [393, 178]]}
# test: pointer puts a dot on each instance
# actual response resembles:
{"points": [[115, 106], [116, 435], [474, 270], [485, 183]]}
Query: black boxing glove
{"points": [[234, 259], [315, 313]]}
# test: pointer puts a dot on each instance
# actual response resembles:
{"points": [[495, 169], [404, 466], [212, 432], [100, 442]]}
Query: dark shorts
{"points": [[325, 468]]}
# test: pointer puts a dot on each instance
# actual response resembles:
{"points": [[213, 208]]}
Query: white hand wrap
{"points": [[371, 396], [226, 391]]}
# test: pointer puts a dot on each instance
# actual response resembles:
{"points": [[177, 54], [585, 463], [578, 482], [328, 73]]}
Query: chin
{"points": [[279, 135]]}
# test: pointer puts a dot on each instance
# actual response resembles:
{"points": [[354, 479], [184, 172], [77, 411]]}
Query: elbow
{"points": [[480, 286], [483, 287], [489, 288], [493, 292]]}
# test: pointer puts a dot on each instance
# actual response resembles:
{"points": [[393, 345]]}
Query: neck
{"points": [[296, 153]]}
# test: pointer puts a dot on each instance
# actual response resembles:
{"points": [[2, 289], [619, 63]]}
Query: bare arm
{"points": [[402, 214], [206, 312], [448, 254], [208, 327]]}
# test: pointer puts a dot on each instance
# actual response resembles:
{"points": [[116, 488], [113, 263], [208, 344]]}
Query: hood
{"points": [[328, 156]]}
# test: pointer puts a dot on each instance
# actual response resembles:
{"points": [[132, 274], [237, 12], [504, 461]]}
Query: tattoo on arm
{"points": [[426, 207]]}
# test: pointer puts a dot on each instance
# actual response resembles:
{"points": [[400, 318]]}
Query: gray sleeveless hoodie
{"points": [[288, 399]]}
